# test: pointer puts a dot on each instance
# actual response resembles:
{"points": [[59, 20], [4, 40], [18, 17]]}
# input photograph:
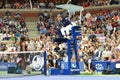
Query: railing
{"points": [[57, 10], [103, 7]]}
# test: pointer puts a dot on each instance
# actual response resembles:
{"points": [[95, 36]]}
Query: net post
{"points": [[45, 67]]}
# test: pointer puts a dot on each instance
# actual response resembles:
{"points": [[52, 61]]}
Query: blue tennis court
{"points": [[64, 77]]}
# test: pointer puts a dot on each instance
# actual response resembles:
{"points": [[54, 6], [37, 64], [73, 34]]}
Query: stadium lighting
{"points": [[30, 4], [68, 1], [6, 4]]}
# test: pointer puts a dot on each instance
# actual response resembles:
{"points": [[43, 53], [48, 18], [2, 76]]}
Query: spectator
{"points": [[17, 15], [51, 5], [42, 5], [45, 15], [109, 26], [115, 56], [98, 55], [92, 37], [106, 54]]}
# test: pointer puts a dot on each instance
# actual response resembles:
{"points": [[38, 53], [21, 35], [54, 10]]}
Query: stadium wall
{"points": [[31, 15]]}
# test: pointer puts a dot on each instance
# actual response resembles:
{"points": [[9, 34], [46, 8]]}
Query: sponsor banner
{"points": [[100, 65], [4, 66], [64, 65]]}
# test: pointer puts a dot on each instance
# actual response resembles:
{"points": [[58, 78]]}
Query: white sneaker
{"points": [[24, 72]]}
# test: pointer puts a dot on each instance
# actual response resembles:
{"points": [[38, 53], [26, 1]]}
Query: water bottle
{"points": [[62, 66], [96, 72], [47, 73]]}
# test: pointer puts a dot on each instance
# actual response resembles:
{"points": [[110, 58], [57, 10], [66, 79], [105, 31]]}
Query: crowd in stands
{"points": [[26, 4], [11, 30], [99, 3], [40, 4], [100, 36]]}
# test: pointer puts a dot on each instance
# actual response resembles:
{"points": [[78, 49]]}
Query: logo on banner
{"points": [[73, 65], [37, 62], [99, 66]]}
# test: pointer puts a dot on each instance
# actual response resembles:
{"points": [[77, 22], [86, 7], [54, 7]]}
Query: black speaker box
{"points": [[107, 71], [11, 70]]}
